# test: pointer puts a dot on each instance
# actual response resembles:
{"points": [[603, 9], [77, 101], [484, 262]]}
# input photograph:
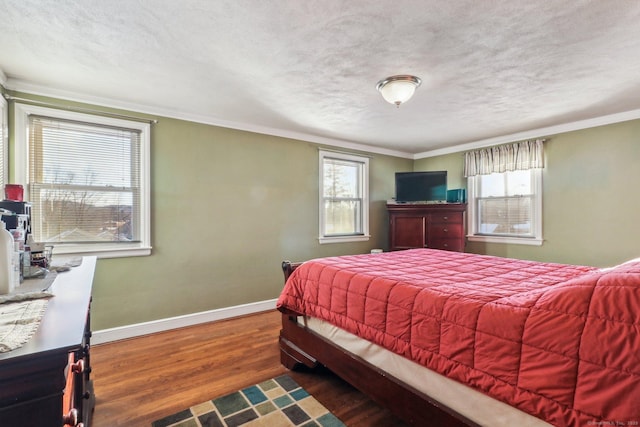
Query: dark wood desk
{"points": [[33, 377]]}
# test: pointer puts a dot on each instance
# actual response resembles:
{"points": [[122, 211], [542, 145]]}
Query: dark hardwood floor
{"points": [[143, 379]]}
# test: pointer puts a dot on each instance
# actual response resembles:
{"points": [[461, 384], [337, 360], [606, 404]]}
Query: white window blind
{"points": [[84, 181]]}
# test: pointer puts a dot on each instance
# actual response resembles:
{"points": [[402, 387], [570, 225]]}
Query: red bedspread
{"points": [[560, 342]]}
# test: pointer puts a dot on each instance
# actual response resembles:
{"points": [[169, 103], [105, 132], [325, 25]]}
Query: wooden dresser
{"points": [[436, 226], [53, 369]]}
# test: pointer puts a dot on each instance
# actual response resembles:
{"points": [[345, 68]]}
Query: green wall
{"points": [[591, 203], [228, 207], [452, 163]]}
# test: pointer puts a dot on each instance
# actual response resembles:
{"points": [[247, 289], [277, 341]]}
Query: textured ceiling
{"points": [[308, 68]]}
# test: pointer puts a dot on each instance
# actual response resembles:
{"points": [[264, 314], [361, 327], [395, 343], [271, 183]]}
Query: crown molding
{"points": [[534, 133], [34, 89]]}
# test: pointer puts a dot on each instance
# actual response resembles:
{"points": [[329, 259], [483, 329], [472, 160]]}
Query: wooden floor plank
{"points": [[143, 379]]}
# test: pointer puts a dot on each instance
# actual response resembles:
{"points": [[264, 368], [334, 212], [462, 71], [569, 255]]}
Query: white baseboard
{"points": [[146, 328]]}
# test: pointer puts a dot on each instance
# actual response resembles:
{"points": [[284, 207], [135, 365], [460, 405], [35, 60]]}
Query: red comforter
{"points": [[560, 342]]}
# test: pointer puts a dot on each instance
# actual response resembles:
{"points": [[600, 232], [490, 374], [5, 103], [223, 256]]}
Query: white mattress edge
{"points": [[471, 403]]}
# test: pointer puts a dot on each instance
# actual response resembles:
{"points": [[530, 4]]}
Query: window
{"points": [[344, 200], [4, 142], [506, 206], [87, 178]]}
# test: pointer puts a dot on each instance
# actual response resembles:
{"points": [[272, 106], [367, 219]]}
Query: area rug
{"points": [[277, 402]]}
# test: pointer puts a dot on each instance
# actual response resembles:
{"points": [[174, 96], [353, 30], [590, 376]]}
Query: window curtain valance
{"points": [[502, 158]]}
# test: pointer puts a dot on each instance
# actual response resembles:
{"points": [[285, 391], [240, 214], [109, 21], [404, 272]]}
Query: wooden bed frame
{"points": [[300, 346]]}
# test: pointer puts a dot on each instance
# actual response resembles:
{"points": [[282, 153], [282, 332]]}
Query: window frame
{"points": [[364, 191], [21, 175], [4, 142], [474, 235]]}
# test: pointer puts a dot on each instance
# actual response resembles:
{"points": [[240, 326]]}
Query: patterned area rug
{"points": [[277, 402]]}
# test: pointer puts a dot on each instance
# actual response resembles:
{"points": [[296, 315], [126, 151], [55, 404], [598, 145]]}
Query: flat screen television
{"points": [[414, 187]]}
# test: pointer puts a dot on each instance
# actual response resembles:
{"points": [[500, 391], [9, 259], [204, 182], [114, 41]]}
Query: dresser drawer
{"points": [[446, 217], [446, 231], [447, 244]]}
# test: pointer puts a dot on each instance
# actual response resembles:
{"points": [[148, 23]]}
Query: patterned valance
{"points": [[503, 158]]}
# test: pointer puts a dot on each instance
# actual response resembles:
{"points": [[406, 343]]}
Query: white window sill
{"points": [[531, 241], [343, 239], [101, 251]]}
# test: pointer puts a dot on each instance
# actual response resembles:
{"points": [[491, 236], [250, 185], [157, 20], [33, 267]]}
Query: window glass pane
{"points": [[492, 185], [74, 216], [341, 178], [519, 183], [513, 183], [342, 217]]}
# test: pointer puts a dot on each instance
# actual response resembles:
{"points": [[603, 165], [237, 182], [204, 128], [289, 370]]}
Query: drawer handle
{"points": [[445, 218], [71, 419], [78, 367], [445, 230], [446, 245]]}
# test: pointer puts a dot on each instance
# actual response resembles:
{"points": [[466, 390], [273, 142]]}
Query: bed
{"points": [[454, 339]]}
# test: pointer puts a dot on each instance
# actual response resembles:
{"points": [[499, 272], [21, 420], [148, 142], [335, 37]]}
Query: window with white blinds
{"points": [[504, 202], [506, 207], [87, 181], [504, 184]]}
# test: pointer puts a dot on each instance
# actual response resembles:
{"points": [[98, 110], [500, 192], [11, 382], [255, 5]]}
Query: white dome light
{"points": [[398, 89]]}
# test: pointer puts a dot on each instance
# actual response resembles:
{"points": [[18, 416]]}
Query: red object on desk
{"points": [[13, 192]]}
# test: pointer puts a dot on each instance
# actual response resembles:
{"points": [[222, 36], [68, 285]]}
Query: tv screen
{"points": [[421, 186]]}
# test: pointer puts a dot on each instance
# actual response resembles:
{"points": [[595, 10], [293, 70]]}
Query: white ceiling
{"points": [[308, 68]]}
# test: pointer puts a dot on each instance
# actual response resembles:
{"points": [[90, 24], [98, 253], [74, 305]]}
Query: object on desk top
{"points": [[36, 284], [37, 272], [66, 264], [34, 272]]}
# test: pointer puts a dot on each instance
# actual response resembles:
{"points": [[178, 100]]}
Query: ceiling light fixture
{"points": [[398, 89]]}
